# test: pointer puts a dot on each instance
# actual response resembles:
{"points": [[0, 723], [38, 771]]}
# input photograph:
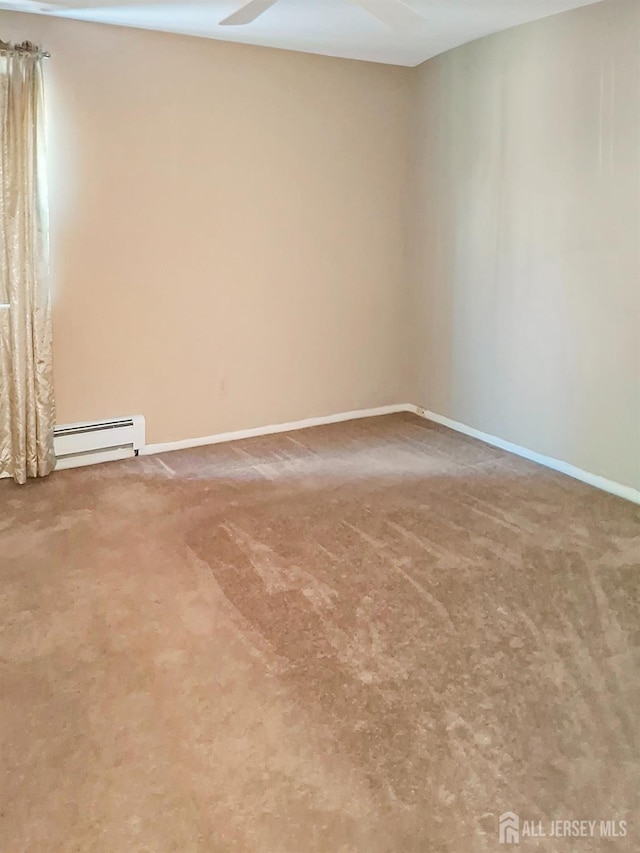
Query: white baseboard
{"points": [[626, 492], [271, 429]]}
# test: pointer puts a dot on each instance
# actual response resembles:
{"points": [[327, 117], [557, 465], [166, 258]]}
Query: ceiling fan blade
{"points": [[248, 13], [394, 13]]}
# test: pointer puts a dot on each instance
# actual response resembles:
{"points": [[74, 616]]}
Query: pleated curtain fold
{"points": [[27, 408]]}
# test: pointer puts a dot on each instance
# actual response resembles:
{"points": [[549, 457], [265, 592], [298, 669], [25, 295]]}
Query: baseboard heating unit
{"points": [[98, 441]]}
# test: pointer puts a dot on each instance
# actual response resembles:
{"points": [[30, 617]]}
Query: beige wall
{"points": [[527, 237], [230, 229], [228, 234]]}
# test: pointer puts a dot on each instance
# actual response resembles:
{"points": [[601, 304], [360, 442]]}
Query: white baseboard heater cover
{"points": [[98, 441]]}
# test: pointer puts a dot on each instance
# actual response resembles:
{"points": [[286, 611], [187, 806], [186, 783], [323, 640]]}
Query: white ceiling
{"points": [[329, 27]]}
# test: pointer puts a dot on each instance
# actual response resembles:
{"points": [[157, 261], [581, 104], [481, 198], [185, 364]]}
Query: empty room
{"points": [[319, 426]]}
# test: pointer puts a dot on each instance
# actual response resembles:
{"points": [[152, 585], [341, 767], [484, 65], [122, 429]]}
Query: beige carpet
{"points": [[374, 637]]}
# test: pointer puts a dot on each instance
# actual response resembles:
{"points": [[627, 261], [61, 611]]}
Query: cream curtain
{"points": [[27, 411]]}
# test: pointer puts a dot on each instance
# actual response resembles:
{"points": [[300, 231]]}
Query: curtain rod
{"points": [[26, 47]]}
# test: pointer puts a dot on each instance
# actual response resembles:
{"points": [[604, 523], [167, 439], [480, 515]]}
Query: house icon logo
{"points": [[509, 828]]}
